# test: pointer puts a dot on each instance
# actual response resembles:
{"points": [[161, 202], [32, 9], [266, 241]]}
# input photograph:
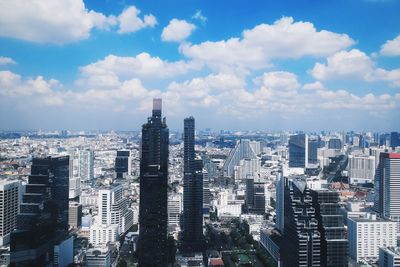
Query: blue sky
{"points": [[267, 65]]}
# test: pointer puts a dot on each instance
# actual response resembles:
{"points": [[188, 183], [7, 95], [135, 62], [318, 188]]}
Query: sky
{"points": [[238, 65]]}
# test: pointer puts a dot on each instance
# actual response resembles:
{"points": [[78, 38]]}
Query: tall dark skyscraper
{"points": [[153, 215], [192, 235], [313, 151], [334, 243], [43, 219], [301, 238]]}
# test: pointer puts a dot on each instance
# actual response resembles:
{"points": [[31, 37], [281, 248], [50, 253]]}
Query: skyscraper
{"points": [[298, 151], [312, 151], [43, 219], [86, 165], [123, 163], [9, 201], [394, 139], [192, 235], [153, 214], [387, 186], [334, 244], [301, 238]]}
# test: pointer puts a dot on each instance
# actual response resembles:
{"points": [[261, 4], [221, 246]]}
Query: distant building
{"points": [[335, 143], [244, 149], [123, 165], [86, 165], [312, 151], [298, 151], [394, 139], [75, 215], [9, 206], [361, 169]]}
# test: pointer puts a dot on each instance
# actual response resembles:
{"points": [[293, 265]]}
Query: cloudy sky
{"points": [[307, 65]]}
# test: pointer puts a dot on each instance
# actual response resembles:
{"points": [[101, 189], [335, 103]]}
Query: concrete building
{"points": [[75, 215], [361, 169], [9, 207], [98, 257], [367, 234]]}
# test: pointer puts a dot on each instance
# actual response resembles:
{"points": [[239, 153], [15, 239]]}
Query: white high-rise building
{"points": [[367, 234], [174, 210], [9, 207], [361, 169], [86, 165], [242, 150], [247, 167]]}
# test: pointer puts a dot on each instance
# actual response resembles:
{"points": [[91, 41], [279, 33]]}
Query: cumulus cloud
{"points": [[63, 21], [108, 71], [129, 20], [313, 86], [259, 45], [391, 47], [177, 30], [50, 21], [354, 64], [7, 61]]}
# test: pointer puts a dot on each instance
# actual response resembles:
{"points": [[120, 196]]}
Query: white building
{"points": [[102, 234], [9, 207], [367, 234], [86, 165], [98, 257], [389, 257], [361, 169], [174, 210]]}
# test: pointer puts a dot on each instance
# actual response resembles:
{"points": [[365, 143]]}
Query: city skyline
{"points": [[260, 66]]}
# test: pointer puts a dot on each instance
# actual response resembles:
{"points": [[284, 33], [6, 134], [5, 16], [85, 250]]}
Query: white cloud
{"points": [[199, 16], [265, 42], [38, 89], [50, 21], [129, 20], [354, 64], [313, 86], [7, 61], [108, 71], [391, 47], [177, 30]]}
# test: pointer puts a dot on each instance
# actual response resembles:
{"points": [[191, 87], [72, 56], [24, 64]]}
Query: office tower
{"points": [[249, 192], [206, 194], [301, 244], [242, 150], [361, 169], [335, 143], [43, 219], [123, 164], [74, 178], [364, 242], [334, 244], [312, 151], [192, 228], [362, 142], [86, 165], [280, 200], [298, 151], [387, 186], [247, 167], [75, 215], [9, 207], [394, 139], [259, 197], [64, 253], [153, 215]]}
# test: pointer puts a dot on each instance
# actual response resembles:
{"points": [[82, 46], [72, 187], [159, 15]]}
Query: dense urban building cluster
{"points": [[194, 197]]}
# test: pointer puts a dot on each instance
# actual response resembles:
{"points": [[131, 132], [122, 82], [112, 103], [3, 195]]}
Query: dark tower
{"points": [[153, 215], [192, 236], [43, 219]]}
